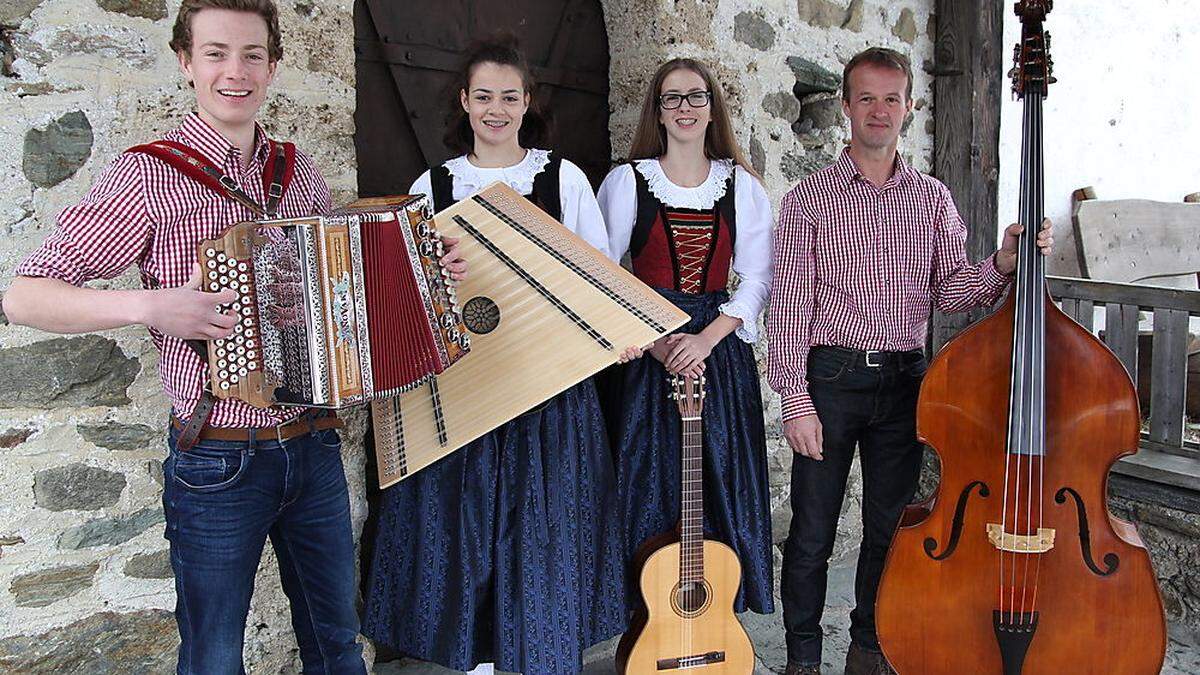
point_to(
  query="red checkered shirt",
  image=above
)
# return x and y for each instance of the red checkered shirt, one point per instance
(860, 266)
(145, 212)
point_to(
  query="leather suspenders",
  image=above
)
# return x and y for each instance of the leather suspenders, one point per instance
(277, 175)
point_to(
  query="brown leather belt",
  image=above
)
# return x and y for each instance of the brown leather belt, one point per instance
(283, 432)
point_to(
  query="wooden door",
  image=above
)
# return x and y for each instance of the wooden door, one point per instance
(408, 51)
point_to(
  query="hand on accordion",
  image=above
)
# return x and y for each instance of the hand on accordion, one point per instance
(189, 313)
(452, 260)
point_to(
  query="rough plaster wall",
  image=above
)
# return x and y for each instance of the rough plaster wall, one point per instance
(752, 49)
(81, 520)
(1120, 119)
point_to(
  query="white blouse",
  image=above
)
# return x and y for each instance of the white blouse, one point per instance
(580, 212)
(751, 249)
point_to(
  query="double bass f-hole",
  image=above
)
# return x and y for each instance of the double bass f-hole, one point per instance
(956, 526)
(1111, 560)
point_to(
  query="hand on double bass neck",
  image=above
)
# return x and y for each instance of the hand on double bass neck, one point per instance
(1006, 257)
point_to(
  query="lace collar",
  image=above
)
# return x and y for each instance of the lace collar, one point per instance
(701, 197)
(519, 176)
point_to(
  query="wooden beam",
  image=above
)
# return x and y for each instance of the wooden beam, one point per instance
(1113, 292)
(968, 85)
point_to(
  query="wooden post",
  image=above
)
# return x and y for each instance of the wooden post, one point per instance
(968, 74)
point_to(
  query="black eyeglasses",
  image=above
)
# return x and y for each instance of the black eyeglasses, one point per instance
(696, 99)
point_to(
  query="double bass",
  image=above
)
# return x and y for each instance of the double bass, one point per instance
(1015, 565)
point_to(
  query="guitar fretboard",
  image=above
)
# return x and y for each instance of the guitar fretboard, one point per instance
(691, 555)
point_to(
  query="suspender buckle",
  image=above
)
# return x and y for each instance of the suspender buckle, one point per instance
(275, 191)
(227, 183)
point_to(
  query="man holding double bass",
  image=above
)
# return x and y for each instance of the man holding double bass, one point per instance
(864, 249)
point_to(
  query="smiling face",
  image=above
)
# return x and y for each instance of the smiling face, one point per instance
(876, 106)
(229, 67)
(495, 102)
(687, 123)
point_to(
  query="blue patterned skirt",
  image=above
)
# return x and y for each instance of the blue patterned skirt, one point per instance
(507, 550)
(646, 445)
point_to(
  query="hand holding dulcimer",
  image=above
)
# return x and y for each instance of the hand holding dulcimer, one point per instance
(1015, 566)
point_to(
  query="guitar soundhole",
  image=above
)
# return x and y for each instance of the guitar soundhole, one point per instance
(691, 597)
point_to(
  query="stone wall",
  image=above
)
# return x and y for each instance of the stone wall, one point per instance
(84, 573)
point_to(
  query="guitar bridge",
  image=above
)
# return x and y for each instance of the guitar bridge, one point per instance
(691, 661)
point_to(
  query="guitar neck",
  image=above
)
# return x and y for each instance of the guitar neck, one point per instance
(691, 559)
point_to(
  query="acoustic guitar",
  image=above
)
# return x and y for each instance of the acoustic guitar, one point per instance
(688, 583)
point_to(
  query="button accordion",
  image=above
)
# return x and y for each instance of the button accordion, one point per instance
(333, 310)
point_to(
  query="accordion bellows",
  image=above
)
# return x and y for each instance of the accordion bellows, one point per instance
(334, 310)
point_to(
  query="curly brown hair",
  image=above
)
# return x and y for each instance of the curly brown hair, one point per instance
(181, 34)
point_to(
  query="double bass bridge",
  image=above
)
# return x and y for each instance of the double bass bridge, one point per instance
(1008, 542)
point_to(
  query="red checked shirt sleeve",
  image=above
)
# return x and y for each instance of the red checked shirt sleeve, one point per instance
(102, 235)
(956, 284)
(791, 309)
(308, 175)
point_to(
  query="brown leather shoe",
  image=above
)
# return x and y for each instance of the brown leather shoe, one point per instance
(860, 661)
(797, 669)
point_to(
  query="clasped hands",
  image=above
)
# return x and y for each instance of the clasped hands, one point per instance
(680, 353)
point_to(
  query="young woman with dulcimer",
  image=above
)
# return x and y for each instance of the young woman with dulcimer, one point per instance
(688, 209)
(506, 551)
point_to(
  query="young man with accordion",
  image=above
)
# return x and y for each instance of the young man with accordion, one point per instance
(243, 473)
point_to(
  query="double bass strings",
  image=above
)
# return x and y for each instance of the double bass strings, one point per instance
(1026, 438)
(1026, 396)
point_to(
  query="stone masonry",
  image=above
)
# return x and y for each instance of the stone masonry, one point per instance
(84, 574)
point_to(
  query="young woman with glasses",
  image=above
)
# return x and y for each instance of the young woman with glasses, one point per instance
(687, 209)
(506, 551)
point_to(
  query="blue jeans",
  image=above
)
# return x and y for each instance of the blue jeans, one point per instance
(222, 501)
(873, 409)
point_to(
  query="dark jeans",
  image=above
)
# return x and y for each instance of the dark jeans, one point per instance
(873, 408)
(222, 501)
